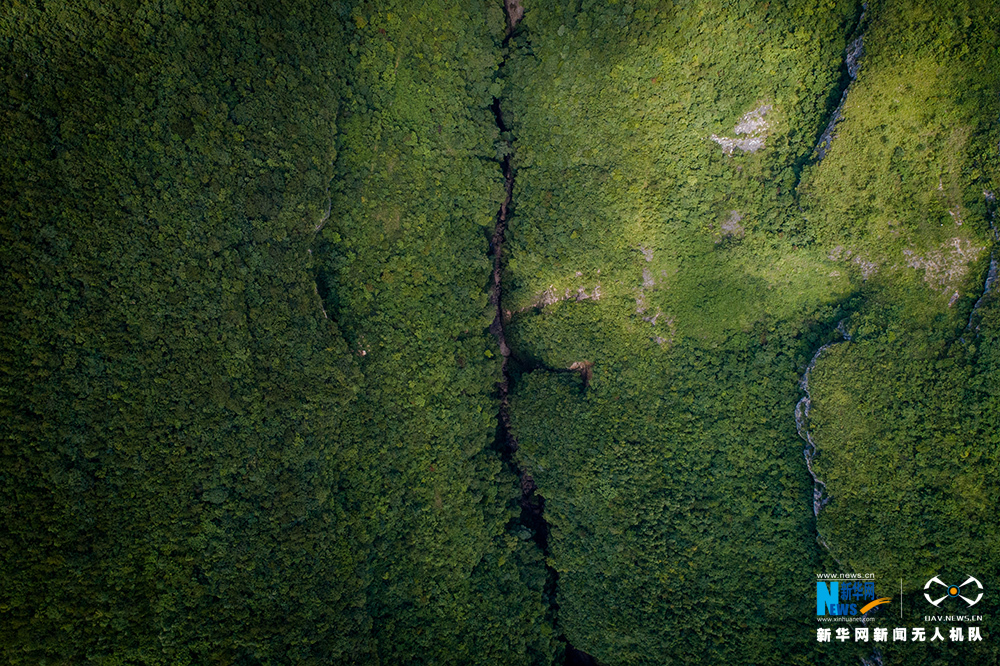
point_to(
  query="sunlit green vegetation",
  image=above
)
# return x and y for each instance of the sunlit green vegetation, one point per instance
(905, 415)
(670, 483)
(614, 108)
(905, 419)
(249, 396)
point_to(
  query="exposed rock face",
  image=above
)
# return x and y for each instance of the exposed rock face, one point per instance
(820, 495)
(855, 50)
(551, 296)
(666, 322)
(991, 275)
(852, 58)
(752, 127)
(945, 268)
(868, 268)
(586, 370)
(514, 12)
(991, 279)
(731, 226)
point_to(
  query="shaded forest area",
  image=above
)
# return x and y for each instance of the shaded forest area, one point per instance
(250, 395)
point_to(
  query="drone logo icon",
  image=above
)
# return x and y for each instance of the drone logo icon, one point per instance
(953, 591)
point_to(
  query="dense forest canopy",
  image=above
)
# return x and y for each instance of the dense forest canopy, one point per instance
(489, 332)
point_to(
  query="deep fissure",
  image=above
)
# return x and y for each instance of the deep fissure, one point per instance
(532, 505)
(821, 497)
(992, 272)
(853, 53)
(848, 75)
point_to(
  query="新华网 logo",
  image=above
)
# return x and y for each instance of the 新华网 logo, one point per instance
(843, 598)
(953, 591)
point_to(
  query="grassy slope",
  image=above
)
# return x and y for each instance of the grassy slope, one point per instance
(905, 416)
(613, 112)
(675, 483)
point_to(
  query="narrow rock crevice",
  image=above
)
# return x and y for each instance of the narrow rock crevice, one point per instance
(532, 505)
(849, 74)
(321, 297)
(820, 495)
(319, 277)
(874, 659)
(991, 274)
